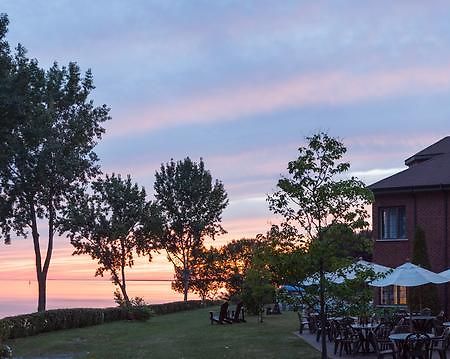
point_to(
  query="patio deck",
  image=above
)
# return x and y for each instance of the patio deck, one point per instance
(311, 340)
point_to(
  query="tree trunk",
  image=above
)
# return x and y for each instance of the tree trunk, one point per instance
(123, 288)
(186, 275)
(42, 286)
(42, 270)
(323, 318)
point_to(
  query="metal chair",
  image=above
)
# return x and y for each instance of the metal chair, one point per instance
(383, 346)
(439, 344)
(417, 345)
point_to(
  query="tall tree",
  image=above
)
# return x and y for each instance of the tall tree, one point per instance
(50, 156)
(191, 205)
(111, 224)
(316, 197)
(206, 274)
(236, 259)
(424, 295)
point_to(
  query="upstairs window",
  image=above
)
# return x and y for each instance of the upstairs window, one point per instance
(393, 223)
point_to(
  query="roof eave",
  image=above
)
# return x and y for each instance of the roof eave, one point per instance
(410, 189)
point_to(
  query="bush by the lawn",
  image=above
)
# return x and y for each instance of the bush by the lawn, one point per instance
(50, 320)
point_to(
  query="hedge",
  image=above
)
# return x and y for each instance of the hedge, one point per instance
(50, 320)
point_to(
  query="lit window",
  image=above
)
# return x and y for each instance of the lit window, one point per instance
(393, 223)
(393, 295)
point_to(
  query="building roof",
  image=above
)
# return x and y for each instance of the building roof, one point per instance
(428, 169)
(440, 147)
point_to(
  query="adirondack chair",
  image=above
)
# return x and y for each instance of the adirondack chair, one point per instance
(222, 318)
(237, 315)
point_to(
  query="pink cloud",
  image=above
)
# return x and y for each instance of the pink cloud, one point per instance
(333, 88)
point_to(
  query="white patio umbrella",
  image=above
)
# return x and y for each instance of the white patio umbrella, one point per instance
(348, 273)
(352, 270)
(409, 275)
(445, 274)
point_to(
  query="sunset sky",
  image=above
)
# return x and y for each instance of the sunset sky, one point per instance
(240, 84)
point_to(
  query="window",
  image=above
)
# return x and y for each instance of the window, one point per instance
(393, 223)
(393, 295)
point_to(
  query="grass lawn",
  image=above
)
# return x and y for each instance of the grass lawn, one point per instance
(179, 335)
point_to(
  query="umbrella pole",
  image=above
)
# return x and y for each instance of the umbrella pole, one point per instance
(410, 309)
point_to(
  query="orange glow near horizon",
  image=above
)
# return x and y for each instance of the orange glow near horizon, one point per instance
(17, 260)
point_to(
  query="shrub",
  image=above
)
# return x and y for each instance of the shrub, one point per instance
(35, 323)
(174, 307)
(142, 313)
(41, 322)
(113, 314)
(5, 352)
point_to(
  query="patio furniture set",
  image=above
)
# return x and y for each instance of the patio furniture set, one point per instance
(400, 336)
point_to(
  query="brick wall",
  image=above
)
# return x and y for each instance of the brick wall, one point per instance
(425, 209)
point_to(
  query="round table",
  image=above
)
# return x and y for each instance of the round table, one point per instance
(399, 340)
(364, 330)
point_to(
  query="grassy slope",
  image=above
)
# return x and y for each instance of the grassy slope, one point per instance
(179, 335)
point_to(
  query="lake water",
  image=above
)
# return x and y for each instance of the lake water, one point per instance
(19, 296)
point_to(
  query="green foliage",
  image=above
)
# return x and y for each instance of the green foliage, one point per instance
(111, 224)
(49, 129)
(173, 307)
(191, 205)
(424, 296)
(321, 208)
(257, 290)
(40, 322)
(5, 351)
(315, 195)
(235, 259)
(136, 308)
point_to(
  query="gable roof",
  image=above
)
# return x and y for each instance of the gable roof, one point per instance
(429, 169)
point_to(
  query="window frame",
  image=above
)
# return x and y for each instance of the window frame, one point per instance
(381, 222)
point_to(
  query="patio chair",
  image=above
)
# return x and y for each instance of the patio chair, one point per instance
(422, 325)
(237, 315)
(439, 344)
(302, 323)
(438, 325)
(383, 346)
(312, 324)
(417, 345)
(346, 340)
(320, 330)
(222, 318)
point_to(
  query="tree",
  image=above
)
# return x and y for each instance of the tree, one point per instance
(206, 274)
(257, 290)
(111, 224)
(425, 295)
(50, 156)
(236, 258)
(314, 198)
(191, 206)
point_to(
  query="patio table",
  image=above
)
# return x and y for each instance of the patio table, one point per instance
(364, 330)
(399, 340)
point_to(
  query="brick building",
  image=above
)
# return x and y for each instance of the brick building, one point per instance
(417, 196)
